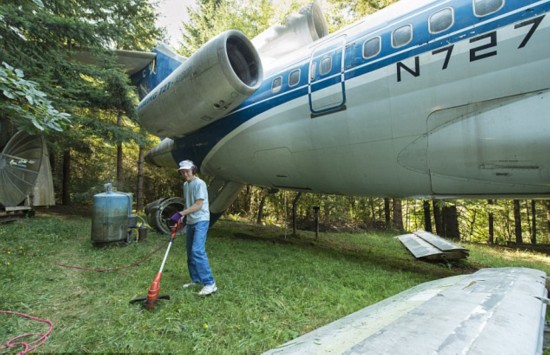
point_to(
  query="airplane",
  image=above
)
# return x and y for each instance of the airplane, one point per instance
(431, 98)
(424, 98)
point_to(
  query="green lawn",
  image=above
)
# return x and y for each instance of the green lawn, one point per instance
(272, 288)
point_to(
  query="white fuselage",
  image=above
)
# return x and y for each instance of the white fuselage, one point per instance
(462, 112)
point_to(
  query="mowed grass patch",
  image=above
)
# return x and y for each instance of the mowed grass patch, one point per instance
(272, 287)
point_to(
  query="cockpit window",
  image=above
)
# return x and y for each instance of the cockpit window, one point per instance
(371, 47)
(277, 84)
(486, 7)
(401, 36)
(441, 20)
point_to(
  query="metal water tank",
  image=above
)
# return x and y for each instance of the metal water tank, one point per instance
(110, 216)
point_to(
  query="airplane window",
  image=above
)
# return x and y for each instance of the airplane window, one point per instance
(401, 36)
(294, 77)
(326, 65)
(371, 47)
(312, 71)
(486, 7)
(277, 84)
(441, 20)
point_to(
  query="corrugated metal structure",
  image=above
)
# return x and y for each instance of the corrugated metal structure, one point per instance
(428, 246)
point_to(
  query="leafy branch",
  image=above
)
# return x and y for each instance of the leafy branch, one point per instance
(26, 105)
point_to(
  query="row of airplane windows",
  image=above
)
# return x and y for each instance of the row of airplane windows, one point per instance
(438, 22)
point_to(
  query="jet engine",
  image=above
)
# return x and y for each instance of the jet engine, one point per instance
(207, 86)
(299, 30)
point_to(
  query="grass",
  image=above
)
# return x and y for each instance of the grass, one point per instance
(272, 288)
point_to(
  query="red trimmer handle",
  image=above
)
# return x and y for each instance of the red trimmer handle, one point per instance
(174, 229)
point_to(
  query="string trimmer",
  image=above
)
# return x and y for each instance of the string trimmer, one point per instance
(150, 301)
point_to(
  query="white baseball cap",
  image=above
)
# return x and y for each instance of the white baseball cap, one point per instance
(186, 164)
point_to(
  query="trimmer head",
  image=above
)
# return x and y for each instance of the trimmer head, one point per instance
(151, 304)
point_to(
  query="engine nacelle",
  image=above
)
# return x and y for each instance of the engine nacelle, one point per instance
(300, 30)
(210, 84)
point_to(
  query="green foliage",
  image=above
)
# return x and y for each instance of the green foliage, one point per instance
(26, 104)
(48, 41)
(271, 289)
(212, 17)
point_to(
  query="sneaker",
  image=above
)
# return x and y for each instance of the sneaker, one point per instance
(191, 284)
(208, 290)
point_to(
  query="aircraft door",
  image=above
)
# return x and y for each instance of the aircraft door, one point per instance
(326, 87)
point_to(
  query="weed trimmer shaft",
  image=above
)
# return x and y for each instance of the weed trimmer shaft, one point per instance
(153, 294)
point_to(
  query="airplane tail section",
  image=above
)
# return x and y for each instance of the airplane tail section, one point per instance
(166, 61)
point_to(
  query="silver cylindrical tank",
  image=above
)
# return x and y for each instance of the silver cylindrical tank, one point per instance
(110, 214)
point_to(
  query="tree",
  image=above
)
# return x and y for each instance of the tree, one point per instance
(534, 222)
(427, 216)
(212, 17)
(491, 223)
(294, 204)
(517, 222)
(44, 40)
(397, 214)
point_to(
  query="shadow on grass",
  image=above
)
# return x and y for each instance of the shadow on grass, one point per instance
(400, 261)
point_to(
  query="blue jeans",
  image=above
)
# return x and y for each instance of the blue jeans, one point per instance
(197, 260)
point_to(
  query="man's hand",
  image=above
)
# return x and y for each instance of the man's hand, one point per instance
(175, 218)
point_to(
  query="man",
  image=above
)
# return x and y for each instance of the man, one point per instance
(198, 220)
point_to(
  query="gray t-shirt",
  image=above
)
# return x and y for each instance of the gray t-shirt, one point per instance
(196, 190)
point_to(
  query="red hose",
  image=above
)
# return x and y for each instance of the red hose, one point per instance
(30, 346)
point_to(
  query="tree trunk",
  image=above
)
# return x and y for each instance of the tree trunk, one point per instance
(450, 222)
(438, 218)
(139, 187)
(547, 204)
(247, 198)
(397, 214)
(371, 204)
(427, 216)
(66, 195)
(119, 155)
(294, 206)
(472, 225)
(517, 222)
(387, 212)
(260, 215)
(527, 215)
(491, 239)
(534, 222)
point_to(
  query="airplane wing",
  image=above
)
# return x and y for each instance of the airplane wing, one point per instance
(493, 311)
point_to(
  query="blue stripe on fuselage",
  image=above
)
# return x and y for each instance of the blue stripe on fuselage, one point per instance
(196, 146)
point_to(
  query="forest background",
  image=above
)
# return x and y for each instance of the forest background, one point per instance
(87, 114)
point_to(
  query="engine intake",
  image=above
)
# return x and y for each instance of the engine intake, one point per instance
(209, 85)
